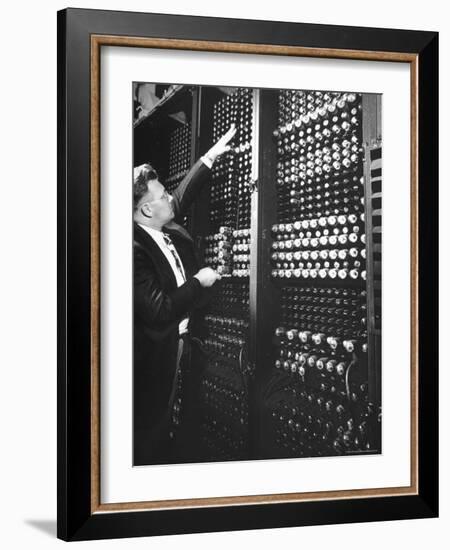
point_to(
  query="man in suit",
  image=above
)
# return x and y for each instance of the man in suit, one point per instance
(167, 287)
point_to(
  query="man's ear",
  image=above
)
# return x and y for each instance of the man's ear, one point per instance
(146, 210)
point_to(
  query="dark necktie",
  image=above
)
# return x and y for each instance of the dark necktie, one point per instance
(175, 255)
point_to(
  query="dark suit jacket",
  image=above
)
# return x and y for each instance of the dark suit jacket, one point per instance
(159, 305)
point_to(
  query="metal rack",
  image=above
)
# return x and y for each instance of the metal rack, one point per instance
(373, 216)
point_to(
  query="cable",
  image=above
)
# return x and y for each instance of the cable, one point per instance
(347, 376)
(241, 368)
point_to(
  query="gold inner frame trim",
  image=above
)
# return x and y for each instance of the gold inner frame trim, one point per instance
(97, 41)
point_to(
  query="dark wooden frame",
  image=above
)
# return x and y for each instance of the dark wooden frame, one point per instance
(81, 33)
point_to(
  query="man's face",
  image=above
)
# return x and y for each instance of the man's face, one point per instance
(159, 203)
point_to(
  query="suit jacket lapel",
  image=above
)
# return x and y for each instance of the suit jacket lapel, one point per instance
(160, 261)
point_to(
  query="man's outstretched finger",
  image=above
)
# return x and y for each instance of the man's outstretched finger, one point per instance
(231, 132)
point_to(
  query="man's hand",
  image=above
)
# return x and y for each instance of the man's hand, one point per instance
(222, 144)
(207, 276)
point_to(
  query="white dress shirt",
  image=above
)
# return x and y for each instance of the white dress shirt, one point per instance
(207, 161)
(180, 277)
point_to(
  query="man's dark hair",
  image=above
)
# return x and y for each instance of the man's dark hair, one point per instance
(142, 175)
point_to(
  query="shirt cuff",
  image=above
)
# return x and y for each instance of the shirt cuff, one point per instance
(206, 161)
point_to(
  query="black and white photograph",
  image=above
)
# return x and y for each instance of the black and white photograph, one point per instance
(257, 290)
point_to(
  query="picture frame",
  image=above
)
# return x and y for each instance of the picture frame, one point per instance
(81, 35)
